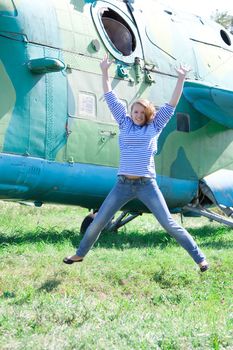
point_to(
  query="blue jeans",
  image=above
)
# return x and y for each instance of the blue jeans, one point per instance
(148, 192)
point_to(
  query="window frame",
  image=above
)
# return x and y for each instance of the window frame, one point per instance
(96, 11)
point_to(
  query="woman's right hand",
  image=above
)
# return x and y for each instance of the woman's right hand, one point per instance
(105, 63)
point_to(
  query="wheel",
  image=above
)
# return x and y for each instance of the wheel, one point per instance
(86, 222)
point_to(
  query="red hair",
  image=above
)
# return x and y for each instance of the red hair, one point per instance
(149, 109)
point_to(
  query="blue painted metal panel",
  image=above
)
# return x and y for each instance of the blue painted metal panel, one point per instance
(35, 179)
(221, 185)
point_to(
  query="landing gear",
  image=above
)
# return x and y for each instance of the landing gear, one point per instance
(123, 218)
(113, 225)
(214, 190)
(210, 214)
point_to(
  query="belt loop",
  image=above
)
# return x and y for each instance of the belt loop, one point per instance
(122, 178)
(143, 180)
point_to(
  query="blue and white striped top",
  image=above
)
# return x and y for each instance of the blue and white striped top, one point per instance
(138, 144)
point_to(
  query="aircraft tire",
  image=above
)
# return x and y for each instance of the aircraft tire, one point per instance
(86, 222)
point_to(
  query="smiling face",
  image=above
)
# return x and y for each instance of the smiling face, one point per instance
(142, 112)
(138, 114)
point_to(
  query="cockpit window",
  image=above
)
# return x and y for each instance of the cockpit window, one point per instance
(118, 31)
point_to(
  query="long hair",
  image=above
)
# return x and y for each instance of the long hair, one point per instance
(149, 109)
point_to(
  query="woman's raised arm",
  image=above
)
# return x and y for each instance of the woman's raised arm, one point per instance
(104, 65)
(182, 72)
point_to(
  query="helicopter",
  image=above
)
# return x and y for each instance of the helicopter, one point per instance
(58, 140)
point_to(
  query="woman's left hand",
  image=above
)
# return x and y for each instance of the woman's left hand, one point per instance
(183, 70)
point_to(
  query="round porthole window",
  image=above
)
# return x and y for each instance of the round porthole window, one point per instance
(117, 31)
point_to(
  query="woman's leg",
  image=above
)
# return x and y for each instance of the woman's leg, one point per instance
(117, 198)
(152, 197)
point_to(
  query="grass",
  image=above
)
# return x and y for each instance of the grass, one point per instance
(137, 289)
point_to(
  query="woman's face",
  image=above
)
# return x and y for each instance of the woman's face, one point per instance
(138, 114)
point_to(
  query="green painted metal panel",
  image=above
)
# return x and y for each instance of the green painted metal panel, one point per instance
(7, 102)
(193, 155)
(93, 143)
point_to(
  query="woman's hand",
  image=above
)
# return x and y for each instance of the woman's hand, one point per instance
(105, 63)
(182, 71)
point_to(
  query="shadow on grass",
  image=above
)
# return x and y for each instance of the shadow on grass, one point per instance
(53, 235)
(49, 285)
(121, 239)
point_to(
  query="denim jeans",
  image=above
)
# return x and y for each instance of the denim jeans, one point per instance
(148, 192)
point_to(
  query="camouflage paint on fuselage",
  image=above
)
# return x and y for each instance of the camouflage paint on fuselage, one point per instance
(40, 113)
(61, 118)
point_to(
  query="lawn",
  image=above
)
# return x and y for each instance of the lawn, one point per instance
(136, 289)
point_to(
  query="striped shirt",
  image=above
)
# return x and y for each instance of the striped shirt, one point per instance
(138, 144)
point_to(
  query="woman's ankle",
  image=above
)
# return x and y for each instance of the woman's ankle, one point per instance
(203, 263)
(203, 266)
